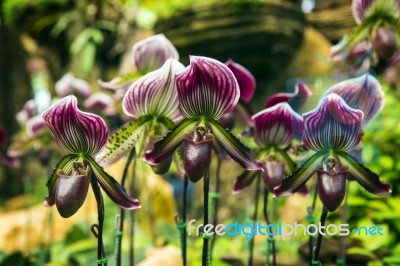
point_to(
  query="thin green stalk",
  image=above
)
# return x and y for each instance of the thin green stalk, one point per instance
(317, 249)
(120, 230)
(311, 220)
(257, 196)
(206, 258)
(341, 261)
(181, 224)
(215, 198)
(271, 241)
(132, 220)
(101, 257)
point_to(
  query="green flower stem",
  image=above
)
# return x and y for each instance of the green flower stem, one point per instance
(311, 220)
(101, 257)
(342, 254)
(215, 197)
(206, 257)
(120, 230)
(317, 249)
(132, 220)
(270, 241)
(255, 214)
(181, 225)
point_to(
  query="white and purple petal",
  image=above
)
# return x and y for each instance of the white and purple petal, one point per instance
(359, 9)
(332, 125)
(246, 80)
(35, 126)
(277, 126)
(75, 131)
(151, 53)
(364, 93)
(295, 98)
(100, 102)
(155, 93)
(68, 84)
(207, 88)
(356, 58)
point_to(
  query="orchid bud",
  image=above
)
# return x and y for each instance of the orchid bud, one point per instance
(384, 42)
(228, 120)
(197, 153)
(273, 174)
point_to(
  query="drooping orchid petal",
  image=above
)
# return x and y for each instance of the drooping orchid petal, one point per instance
(28, 111)
(68, 84)
(154, 93)
(166, 146)
(243, 181)
(75, 131)
(240, 153)
(246, 80)
(364, 93)
(295, 98)
(332, 125)
(151, 53)
(71, 191)
(206, 88)
(35, 125)
(112, 188)
(296, 180)
(277, 125)
(100, 102)
(359, 8)
(365, 177)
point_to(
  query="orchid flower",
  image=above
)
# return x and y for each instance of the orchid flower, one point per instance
(148, 55)
(5, 159)
(80, 135)
(69, 83)
(152, 101)
(207, 90)
(356, 58)
(246, 80)
(377, 21)
(364, 93)
(100, 102)
(332, 130)
(295, 99)
(275, 128)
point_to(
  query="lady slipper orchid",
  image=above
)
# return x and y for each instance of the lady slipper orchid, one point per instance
(81, 135)
(69, 83)
(364, 93)
(355, 59)
(207, 90)
(275, 127)
(148, 55)
(296, 98)
(152, 101)
(100, 102)
(332, 129)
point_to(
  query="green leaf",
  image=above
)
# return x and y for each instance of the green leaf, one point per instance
(88, 57)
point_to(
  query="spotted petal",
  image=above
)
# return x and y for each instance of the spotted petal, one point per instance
(122, 141)
(277, 125)
(246, 80)
(365, 177)
(112, 188)
(154, 93)
(75, 131)
(332, 125)
(364, 93)
(151, 53)
(164, 148)
(236, 149)
(206, 88)
(296, 180)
